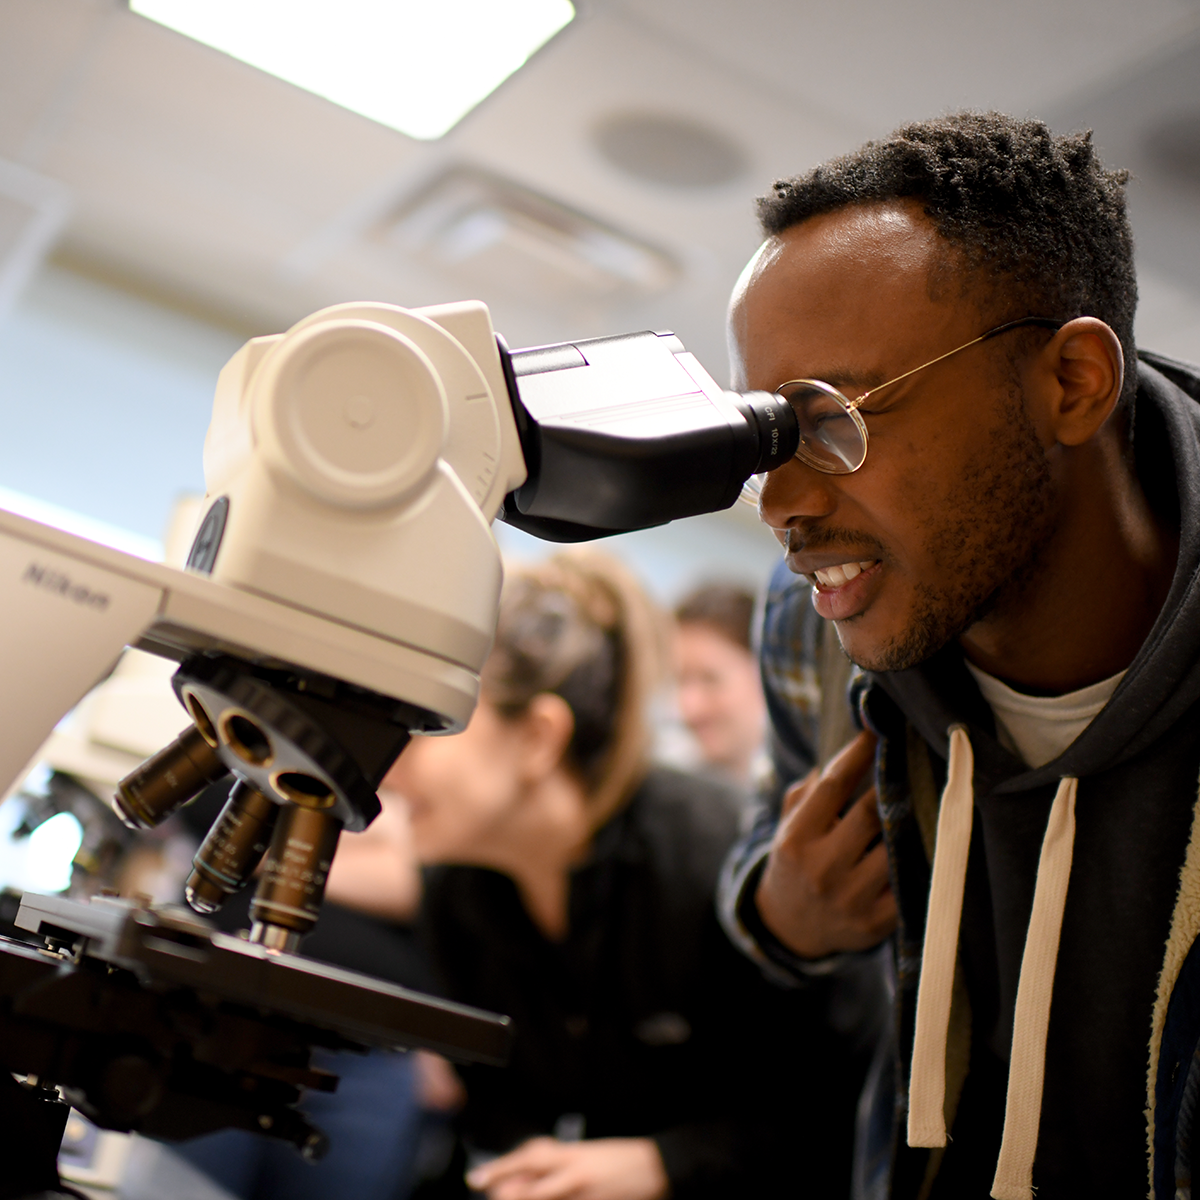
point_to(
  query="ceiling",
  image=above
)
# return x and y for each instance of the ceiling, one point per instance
(204, 182)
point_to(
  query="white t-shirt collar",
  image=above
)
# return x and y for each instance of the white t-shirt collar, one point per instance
(1037, 729)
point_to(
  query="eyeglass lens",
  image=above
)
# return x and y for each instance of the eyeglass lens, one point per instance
(830, 438)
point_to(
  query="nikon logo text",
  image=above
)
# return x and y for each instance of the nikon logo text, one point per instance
(50, 580)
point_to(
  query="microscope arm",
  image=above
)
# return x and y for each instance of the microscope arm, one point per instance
(71, 606)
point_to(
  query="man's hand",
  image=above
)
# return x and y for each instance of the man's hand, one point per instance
(546, 1169)
(822, 890)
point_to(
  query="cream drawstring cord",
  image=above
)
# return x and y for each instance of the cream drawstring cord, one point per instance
(1027, 1061)
(1027, 1065)
(927, 1083)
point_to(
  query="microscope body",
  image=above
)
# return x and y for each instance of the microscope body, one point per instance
(353, 468)
(342, 587)
(340, 595)
(354, 465)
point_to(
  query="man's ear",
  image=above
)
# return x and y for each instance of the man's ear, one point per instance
(1087, 366)
(547, 726)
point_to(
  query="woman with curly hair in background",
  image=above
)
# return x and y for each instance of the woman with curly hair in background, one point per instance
(574, 892)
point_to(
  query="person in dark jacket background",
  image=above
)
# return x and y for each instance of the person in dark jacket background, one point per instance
(577, 895)
(1013, 562)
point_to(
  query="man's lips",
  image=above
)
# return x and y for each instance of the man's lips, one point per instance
(841, 589)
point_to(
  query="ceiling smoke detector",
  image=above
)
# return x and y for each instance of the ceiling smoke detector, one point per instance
(508, 238)
(666, 149)
(1173, 148)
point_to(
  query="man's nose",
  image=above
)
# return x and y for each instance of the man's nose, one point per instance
(796, 492)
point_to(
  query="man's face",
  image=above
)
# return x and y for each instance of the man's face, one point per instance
(719, 694)
(943, 524)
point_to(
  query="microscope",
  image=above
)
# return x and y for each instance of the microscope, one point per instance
(339, 598)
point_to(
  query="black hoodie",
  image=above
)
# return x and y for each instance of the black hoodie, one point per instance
(1137, 765)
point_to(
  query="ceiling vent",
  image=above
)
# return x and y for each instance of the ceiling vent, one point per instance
(33, 210)
(664, 149)
(504, 238)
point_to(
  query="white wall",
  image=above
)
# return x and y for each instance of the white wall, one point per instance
(105, 400)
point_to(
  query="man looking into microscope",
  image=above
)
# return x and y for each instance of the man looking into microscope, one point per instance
(996, 504)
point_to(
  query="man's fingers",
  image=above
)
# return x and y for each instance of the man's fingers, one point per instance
(879, 918)
(825, 797)
(797, 792)
(867, 880)
(849, 839)
(850, 763)
(885, 914)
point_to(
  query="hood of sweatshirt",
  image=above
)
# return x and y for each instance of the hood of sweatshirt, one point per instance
(1163, 681)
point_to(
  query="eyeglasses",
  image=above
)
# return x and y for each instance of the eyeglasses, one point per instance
(833, 435)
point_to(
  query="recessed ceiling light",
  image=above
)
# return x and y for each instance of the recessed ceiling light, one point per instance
(418, 66)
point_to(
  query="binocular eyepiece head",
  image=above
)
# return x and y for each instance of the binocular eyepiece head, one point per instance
(629, 432)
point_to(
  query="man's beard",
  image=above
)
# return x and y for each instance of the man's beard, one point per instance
(998, 520)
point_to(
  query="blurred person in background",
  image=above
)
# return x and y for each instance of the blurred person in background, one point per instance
(575, 893)
(718, 688)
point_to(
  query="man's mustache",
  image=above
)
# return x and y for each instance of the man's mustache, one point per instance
(815, 538)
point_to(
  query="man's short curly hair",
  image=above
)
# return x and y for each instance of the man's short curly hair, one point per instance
(1037, 215)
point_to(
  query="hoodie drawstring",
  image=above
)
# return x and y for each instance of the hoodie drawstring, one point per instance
(1027, 1059)
(927, 1084)
(1035, 988)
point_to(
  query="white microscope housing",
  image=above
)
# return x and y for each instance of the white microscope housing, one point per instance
(353, 466)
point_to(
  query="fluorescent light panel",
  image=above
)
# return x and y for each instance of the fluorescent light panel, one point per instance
(418, 66)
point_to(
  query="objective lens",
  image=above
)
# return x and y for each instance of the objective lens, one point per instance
(306, 790)
(235, 844)
(148, 795)
(289, 894)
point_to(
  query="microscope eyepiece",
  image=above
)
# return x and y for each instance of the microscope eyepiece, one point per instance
(167, 781)
(774, 423)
